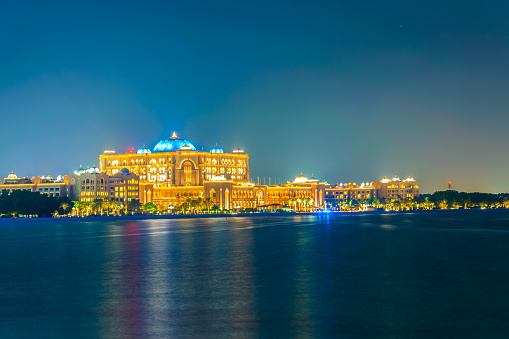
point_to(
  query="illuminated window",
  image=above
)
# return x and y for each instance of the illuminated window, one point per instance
(187, 174)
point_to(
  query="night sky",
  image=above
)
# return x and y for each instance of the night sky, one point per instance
(349, 91)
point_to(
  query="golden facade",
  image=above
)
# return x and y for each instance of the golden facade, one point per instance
(43, 185)
(91, 184)
(345, 192)
(175, 162)
(174, 172)
(397, 188)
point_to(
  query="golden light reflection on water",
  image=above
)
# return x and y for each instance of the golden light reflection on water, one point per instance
(243, 282)
(111, 291)
(159, 285)
(303, 317)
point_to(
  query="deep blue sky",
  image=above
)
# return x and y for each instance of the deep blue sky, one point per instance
(348, 91)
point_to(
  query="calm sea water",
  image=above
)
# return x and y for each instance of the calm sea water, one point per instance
(437, 274)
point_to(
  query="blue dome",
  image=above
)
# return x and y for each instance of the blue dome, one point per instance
(143, 151)
(173, 144)
(80, 171)
(124, 171)
(217, 150)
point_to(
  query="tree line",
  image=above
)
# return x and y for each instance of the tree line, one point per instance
(105, 207)
(27, 203)
(455, 199)
(189, 206)
(439, 200)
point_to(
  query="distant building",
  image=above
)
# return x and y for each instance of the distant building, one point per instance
(42, 184)
(345, 192)
(13, 179)
(90, 184)
(395, 187)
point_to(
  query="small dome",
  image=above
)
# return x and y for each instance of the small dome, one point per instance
(300, 179)
(173, 144)
(312, 179)
(143, 151)
(124, 171)
(93, 169)
(217, 150)
(238, 150)
(109, 151)
(12, 176)
(79, 171)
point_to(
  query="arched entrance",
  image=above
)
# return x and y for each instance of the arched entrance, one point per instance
(212, 195)
(259, 198)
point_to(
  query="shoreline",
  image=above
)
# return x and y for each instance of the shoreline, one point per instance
(237, 215)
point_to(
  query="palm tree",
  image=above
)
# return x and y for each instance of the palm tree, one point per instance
(133, 204)
(119, 207)
(353, 204)
(113, 204)
(443, 204)
(195, 205)
(208, 203)
(297, 203)
(292, 202)
(376, 203)
(310, 202)
(428, 205)
(65, 207)
(505, 202)
(389, 204)
(149, 206)
(179, 208)
(77, 207)
(98, 205)
(186, 205)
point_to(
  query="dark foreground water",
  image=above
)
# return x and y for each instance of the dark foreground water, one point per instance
(438, 274)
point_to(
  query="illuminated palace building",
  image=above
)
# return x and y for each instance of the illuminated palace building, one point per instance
(174, 171)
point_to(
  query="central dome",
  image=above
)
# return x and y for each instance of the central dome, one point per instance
(173, 144)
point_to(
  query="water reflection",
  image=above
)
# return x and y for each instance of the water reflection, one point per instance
(159, 289)
(112, 293)
(242, 309)
(303, 276)
(303, 286)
